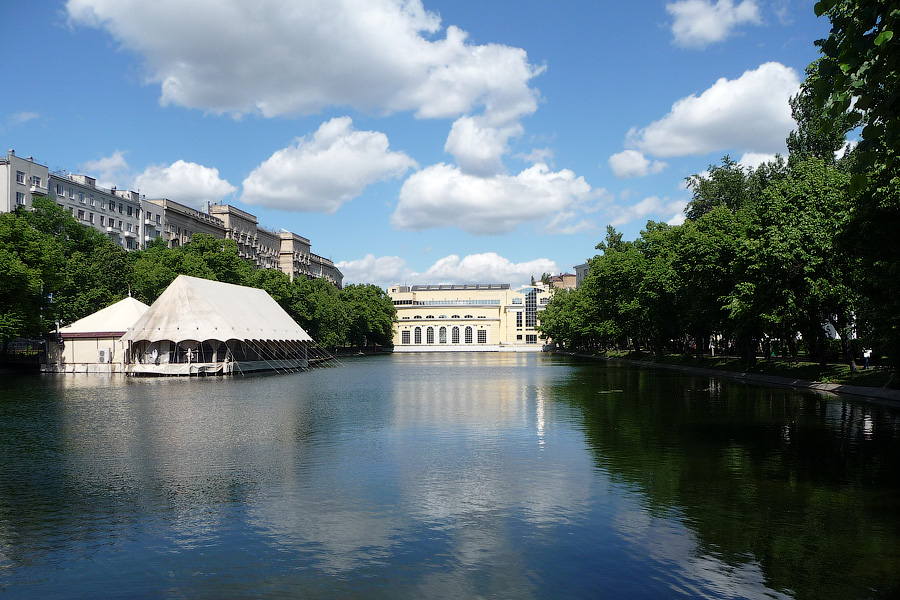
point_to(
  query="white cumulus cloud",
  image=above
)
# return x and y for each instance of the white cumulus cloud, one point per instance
(289, 58)
(443, 196)
(752, 160)
(381, 271)
(110, 171)
(750, 114)
(321, 172)
(663, 209)
(488, 267)
(631, 163)
(699, 23)
(185, 182)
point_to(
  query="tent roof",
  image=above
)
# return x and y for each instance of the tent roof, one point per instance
(200, 309)
(111, 321)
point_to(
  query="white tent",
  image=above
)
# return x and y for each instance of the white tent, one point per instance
(91, 344)
(198, 326)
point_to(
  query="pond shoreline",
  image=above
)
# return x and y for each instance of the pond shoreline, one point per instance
(874, 395)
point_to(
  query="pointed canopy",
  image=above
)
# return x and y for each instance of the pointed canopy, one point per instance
(112, 321)
(200, 309)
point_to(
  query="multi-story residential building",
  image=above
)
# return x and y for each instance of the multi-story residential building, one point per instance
(133, 221)
(297, 260)
(20, 180)
(177, 222)
(481, 317)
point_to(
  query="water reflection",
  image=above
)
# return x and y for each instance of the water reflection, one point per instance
(444, 475)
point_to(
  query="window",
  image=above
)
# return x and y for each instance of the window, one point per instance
(404, 337)
(454, 335)
(101, 220)
(20, 198)
(531, 308)
(406, 318)
(442, 335)
(91, 200)
(157, 219)
(121, 207)
(35, 181)
(482, 336)
(531, 338)
(130, 211)
(81, 197)
(517, 301)
(545, 299)
(71, 194)
(468, 335)
(518, 319)
(60, 190)
(468, 317)
(418, 335)
(429, 316)
(20, 177)
(482, 317)
(429, 335)
(81, 215)
(417, 317)
(91, 218)
(454, 316)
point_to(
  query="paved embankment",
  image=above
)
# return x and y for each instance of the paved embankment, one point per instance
(880, 395)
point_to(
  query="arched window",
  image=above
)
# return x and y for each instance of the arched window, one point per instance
(454, 335)
(454, 316)
(442, 335)
(468, 335)
(429, 335)
(418, 335)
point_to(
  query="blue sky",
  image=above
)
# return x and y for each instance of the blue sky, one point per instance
(411, 141)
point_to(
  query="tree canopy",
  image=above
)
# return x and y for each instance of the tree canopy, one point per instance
(53, 270)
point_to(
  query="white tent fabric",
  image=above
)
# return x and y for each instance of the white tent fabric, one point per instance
(112, 321)
(200, 309)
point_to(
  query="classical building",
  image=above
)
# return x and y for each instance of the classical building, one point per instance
(479, 317)
(132, 221)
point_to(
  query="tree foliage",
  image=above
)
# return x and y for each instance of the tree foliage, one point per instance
(53, 270)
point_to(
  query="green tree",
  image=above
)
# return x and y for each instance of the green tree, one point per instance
(370, 315)
(318, 309)
(858, 79)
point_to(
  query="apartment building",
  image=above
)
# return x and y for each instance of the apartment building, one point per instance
(132, 221)
(477, 317)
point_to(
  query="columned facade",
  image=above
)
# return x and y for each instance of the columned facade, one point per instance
(477, 317)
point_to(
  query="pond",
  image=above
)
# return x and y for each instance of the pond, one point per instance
(445, 476)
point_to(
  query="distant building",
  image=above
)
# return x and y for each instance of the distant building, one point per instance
(565, 281)
(581, 271)
(482, 317)
(133, 221)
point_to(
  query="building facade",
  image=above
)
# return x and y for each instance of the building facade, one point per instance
(478, 317)
(132, 221)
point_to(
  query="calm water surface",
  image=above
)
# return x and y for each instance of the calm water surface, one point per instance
(445, 476)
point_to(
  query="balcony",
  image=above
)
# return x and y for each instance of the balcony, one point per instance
(130, 234)
(39, 190)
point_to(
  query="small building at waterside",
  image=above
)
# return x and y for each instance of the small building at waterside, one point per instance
(92, 344)
(203, 327)
(468, 318)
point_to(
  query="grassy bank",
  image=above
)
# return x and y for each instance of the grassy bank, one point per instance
(794, 369)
